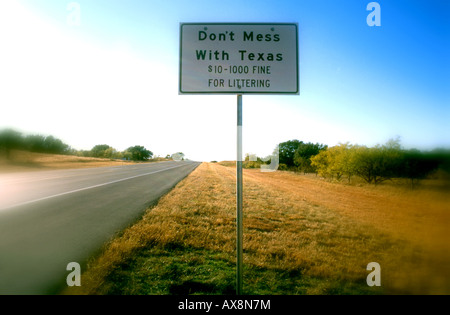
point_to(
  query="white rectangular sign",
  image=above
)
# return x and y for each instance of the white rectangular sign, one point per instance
(232, 58)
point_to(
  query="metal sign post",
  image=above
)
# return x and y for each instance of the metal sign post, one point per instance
(239, 212)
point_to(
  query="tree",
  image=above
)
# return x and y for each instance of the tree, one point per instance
(111, 153)
(345, 159)
(373, 165)
(442, 159)
(304, 153)
(287, 152)
(10, 140)
(53, 145)
(35, 143)
(102, 151)
(379, 163)
(335, 162)
(417, 165)
(139, 153)
(127, 155)
(321, 163)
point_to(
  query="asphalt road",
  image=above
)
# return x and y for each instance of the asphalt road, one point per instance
(49, 219)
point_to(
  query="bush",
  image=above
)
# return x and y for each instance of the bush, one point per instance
(282, 167)
(252, 164)
(138, 153)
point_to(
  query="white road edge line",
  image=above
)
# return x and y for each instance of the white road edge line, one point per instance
(86, 188)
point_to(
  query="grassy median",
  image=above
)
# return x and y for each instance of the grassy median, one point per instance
(302, 235)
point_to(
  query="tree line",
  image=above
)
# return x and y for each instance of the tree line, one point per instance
(372, 164)
(134, 153)
(13, 140)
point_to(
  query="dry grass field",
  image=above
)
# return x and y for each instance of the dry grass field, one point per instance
(302, 235)
(30, 161)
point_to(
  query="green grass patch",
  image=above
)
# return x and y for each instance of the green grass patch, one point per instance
(182, 271)
(157, 271)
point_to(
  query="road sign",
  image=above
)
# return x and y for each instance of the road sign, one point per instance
(232, 58)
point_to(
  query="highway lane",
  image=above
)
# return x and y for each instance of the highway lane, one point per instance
(49, 219)
(21, 188)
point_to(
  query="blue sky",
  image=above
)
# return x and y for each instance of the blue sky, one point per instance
(114, 78)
